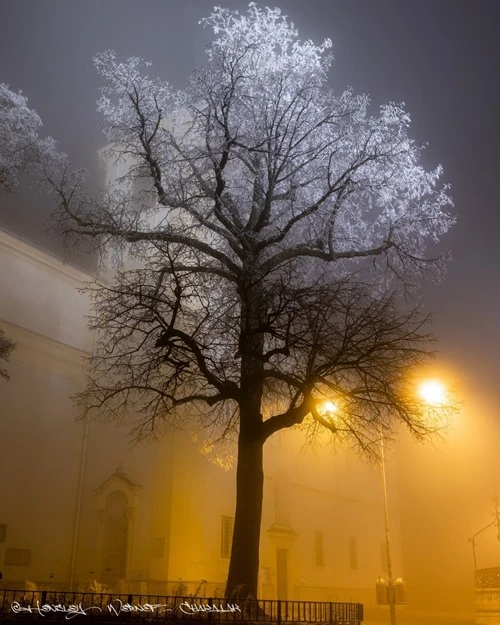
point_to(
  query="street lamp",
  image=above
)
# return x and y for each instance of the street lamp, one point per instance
(434, 394)
(390, 582)
(330, 412)
(495, 522)
(431, 393)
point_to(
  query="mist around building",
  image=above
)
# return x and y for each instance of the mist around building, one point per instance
(84, 508)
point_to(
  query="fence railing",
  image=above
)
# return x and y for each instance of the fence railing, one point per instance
(32, 604)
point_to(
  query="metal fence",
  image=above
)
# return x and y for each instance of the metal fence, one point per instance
(100, 607)
(487, 578)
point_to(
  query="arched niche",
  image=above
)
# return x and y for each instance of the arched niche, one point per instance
(117, 499)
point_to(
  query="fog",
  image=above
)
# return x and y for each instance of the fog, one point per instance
(441, 59)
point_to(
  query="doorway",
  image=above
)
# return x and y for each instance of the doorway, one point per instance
(282, 573)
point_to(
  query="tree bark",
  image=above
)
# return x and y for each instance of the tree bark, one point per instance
(244, 564)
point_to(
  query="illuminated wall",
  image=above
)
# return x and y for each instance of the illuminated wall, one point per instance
(84, 508)
(40, 442)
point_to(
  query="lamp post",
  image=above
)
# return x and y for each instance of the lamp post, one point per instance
(390, 581)
(432, 393)
(330, 409)
(495, 522)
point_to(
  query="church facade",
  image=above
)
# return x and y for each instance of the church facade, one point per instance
(84, 507)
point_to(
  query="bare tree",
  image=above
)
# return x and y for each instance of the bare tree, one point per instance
(6, 347)
(273, 226)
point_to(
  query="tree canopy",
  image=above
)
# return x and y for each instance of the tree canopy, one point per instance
(271, 226)
(21, 147)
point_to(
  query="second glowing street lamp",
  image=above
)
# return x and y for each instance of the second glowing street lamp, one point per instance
(431, 393)
(390, 580)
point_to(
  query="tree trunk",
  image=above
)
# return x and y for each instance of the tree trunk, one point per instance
(244, 564)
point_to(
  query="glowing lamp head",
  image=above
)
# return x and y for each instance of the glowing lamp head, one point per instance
(329, 408)
(433, 393)
(330, 412)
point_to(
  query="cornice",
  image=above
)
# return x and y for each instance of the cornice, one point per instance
(45, 353)
(29, 253)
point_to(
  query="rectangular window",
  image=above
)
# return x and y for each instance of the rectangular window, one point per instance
(383, 556)
(282, 502)
(17, 557)
(353, 553)
(158, 550)
(319, 553)
(227, 527)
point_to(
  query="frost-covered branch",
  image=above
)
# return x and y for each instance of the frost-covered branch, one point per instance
(21, 147)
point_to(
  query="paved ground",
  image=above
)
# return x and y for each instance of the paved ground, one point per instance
(419, 618)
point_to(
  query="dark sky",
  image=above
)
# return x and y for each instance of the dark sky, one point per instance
(441, 57)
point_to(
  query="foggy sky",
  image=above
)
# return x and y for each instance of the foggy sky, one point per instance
(440, 57)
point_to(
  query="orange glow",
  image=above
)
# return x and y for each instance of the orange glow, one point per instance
(329, 408)
(433, 392)
(330, 412)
